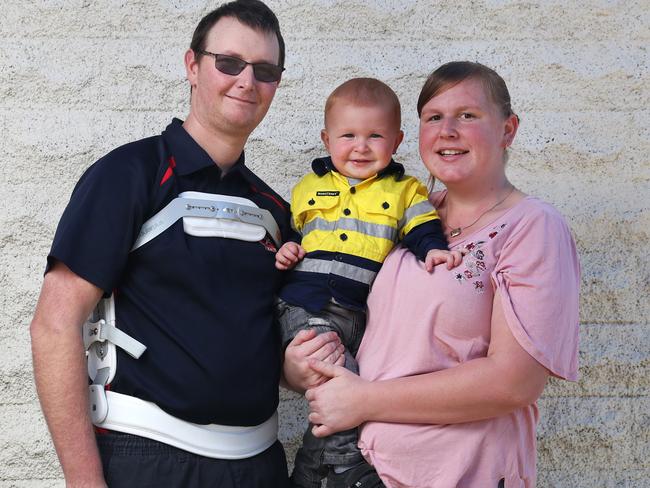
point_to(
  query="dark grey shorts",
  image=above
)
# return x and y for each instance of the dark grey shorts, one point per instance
(348, 324)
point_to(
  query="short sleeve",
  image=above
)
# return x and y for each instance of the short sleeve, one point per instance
(102, 220)
(537, 276)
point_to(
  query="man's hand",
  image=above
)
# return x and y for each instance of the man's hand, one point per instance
(289, 255)
(439, 256)
(326, 347)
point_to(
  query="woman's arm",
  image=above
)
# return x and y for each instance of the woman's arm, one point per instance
(508, 378)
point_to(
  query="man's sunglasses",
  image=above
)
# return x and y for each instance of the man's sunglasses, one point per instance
(231, 65)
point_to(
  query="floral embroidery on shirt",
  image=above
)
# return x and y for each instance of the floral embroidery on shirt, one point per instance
(474, 261)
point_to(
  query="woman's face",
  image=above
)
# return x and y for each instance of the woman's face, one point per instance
(463, 136)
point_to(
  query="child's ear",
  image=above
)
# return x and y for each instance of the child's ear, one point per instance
(398, 140)
(324, 136)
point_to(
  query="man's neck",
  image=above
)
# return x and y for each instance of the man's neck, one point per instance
(224, 149)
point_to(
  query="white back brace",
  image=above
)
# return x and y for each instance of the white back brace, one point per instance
(204, 215)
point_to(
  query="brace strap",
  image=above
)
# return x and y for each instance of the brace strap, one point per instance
(100, 331)
(123, 413)
(220, 209)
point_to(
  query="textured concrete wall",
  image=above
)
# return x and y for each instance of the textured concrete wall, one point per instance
(78, 78)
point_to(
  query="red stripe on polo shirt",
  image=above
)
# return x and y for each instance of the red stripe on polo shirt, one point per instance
(268, 195)
(169, 171)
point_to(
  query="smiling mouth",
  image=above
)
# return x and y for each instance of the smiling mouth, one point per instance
(242, 100)
(451, 152)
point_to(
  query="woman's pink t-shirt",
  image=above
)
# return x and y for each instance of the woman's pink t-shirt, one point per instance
(420, 322)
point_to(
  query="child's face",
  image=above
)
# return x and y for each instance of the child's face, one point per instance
(360, 140)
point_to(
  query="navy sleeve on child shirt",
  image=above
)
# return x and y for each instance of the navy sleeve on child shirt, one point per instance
(424, 238)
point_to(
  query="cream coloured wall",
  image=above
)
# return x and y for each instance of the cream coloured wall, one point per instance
(78, 78)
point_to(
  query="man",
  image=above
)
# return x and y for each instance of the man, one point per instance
(202, 305)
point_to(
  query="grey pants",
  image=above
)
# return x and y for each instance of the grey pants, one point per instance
(317, 455)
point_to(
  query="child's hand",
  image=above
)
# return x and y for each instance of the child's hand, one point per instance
(289, 255)
(439, 256)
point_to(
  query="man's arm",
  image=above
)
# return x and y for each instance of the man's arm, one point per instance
(65, 302)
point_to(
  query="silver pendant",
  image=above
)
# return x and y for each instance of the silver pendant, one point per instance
(455, 232)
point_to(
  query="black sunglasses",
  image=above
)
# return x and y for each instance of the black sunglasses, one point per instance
(232, 65)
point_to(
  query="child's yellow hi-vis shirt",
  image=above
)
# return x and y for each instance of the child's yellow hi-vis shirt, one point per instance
(348, 227)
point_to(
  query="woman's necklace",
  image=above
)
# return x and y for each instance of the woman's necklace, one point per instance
(456, 231)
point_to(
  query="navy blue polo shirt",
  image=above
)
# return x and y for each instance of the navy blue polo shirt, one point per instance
(203, 306)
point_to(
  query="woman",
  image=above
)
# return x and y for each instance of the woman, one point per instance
(452, 363)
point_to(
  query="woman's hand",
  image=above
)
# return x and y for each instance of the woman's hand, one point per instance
(325, 347)
(337, 404)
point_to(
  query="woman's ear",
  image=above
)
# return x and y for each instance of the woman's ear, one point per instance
(510, 130)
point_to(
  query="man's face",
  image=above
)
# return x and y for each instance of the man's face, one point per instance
(232, 104)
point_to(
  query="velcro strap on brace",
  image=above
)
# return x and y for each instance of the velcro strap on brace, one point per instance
(100, 331)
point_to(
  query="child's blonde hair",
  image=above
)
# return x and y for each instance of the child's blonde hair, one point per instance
(366, 92)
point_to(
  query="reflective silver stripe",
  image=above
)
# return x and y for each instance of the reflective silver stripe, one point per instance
(191, 207)
(415, 211)
(356, 225)
(337, 268)
(317, 224)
